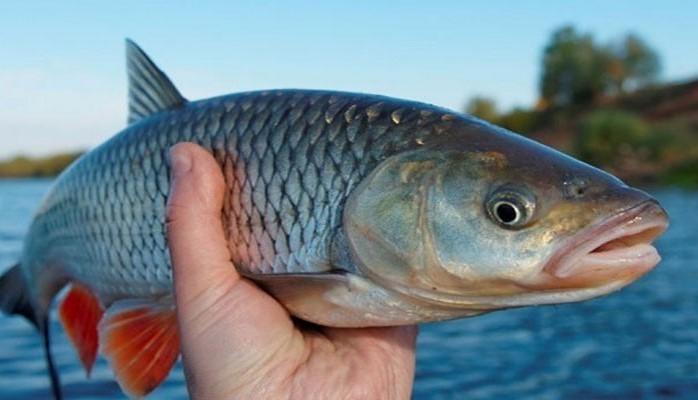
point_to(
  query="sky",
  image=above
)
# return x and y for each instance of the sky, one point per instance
(63, 79)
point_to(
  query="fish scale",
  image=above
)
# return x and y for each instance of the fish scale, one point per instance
(351, 210)
(306, 209)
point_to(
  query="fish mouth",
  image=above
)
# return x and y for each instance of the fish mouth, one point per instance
(617, 250)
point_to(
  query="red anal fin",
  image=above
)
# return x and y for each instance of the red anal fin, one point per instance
(139, 338)
(79, 313)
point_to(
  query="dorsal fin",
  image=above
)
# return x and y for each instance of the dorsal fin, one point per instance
(149, 89)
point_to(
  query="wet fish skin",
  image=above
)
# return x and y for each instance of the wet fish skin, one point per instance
(353, 210)
(290, 159)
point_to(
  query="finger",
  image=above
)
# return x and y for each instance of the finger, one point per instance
(202, 269)
(194, 229)
(227, 324)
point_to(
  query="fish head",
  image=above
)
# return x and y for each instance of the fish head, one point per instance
(484, 219)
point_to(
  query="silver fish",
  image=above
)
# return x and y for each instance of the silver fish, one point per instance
(353, 210)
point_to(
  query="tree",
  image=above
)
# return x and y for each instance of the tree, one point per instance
(573, 68)
(576, 70)
(483, 108)
(636, 64)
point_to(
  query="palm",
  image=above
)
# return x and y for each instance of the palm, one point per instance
(364, 362)
(238, 342)
(271, 355)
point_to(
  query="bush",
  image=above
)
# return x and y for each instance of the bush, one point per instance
(606, 136)
(684, 174)
(518, 120)
(669, 143)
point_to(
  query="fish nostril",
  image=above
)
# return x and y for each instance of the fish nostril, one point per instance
(575, 188)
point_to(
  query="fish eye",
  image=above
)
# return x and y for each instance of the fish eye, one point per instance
(507, 213)
(510, 208)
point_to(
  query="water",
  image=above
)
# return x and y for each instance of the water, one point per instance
(641, 343)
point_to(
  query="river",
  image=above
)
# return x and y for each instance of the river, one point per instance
(640, 343)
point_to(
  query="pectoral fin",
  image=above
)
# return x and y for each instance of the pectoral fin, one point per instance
(340, 300)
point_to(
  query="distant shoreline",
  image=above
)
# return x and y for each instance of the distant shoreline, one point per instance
(37, 167)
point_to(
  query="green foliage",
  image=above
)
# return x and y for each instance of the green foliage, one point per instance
(685, 174)
(619, 140)
(635, 64)
(24, 167)
(669, 143)
(576, 70)
(519, 120)
(674, 146)
(573, 68)
(605, 136)
(483, 108)
(650, 137)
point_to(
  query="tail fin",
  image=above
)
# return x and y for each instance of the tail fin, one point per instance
(14, 296)
(15, 299)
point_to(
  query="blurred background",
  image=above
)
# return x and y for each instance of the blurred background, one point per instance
(612, 83)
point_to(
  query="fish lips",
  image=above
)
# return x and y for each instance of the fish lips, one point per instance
(618, 249)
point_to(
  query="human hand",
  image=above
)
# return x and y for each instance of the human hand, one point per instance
(236, 340)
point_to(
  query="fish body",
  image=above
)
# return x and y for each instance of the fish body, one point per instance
(352, 210)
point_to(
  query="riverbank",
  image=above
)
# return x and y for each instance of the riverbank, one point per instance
(37, 167)
(647, 138)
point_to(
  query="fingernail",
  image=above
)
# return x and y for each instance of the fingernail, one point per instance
(180, 161)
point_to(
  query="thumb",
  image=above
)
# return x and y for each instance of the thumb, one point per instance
(199, 252)
(227, 324)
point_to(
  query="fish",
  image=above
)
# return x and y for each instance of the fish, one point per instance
(352, 210)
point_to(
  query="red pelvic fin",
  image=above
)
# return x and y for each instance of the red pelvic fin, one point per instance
(79, 313)
(139, 338)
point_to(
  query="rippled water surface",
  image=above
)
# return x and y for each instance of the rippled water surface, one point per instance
(641, 343)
